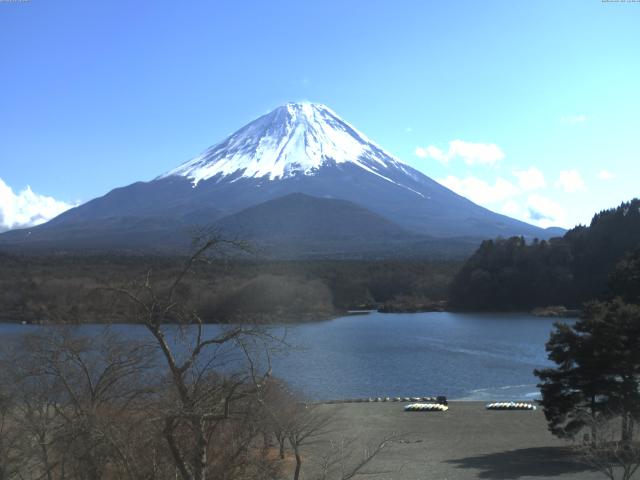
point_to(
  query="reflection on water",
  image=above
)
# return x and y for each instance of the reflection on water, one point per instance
(465, 356)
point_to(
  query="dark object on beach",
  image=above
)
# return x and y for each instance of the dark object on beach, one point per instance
(442, 400)
(510, 406)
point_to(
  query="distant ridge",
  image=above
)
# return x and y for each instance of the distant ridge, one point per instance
(300, 216)
(302, 226)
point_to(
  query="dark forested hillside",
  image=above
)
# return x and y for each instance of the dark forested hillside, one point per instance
(506, 274)
(71, 288)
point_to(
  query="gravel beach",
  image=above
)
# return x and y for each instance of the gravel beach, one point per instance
(466, 442)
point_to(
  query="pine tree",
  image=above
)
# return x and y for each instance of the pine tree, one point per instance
(597, 373)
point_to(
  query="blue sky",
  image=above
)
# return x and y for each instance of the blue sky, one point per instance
(529, 108)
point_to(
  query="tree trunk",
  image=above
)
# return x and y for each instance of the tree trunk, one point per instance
(296, 474)
(45, 459)
(201, 451)
(626, 441)
(594, 427)
(178, 458)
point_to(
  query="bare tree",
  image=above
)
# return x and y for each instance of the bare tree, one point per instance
(9, 463)
(77, 402)
(275, 405)
(610, 448)
(203, 388)
(191, 402)
(341, 462)
(309, 429)
(289, 418)
(306, 425)
(35, 417)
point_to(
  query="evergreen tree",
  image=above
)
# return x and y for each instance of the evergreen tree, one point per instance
(625, 278)
(511, 274)
(597, 373)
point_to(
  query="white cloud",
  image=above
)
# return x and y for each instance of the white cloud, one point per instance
(544, 212)
(26, 208)
(511, 208)
(530, 179)
(432, 152)
(479, 191)
(505, 197)
(570, 181)
(574, 119)
(606, 175)
(471, 153)
(476, 153)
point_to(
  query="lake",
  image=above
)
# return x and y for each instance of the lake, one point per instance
(463, 356)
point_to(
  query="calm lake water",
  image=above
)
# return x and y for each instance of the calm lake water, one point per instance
(463, 356)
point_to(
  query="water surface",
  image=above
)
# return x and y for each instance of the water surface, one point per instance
(463, 356)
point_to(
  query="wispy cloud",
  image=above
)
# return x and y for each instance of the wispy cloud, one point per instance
(606, 175)
(480, 191)
(535, 209)
(511, 208)
(432, 152)
(570, 181)
(471, 153)
(514, 200)
(530, 179)
(574, 119)
(544, 212)
(27, 208)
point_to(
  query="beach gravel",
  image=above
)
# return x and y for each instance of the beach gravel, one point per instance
(466, 442)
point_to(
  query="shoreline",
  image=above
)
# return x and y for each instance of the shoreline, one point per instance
(407, 400)
(324, 317)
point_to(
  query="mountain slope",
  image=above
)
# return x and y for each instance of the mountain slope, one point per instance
(299, 225)
(300, 216)
(297, 148)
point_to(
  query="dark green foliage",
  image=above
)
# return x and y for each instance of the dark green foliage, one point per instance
(625, 279)
(510, 274)
(597, 378)
(69, 288)
(598, 369)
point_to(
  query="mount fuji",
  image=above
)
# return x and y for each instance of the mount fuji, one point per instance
(300, 161)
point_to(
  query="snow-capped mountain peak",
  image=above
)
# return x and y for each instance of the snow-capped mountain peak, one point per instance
(294, 139)
(277, 180)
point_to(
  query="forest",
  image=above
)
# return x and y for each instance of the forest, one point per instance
(503, 274)
(79, 288)
(512, 274)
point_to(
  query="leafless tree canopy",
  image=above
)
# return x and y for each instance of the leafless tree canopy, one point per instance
(612, 446)
(190, 401)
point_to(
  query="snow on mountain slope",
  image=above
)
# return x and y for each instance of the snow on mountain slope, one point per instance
(294, 139)
(298, 148)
